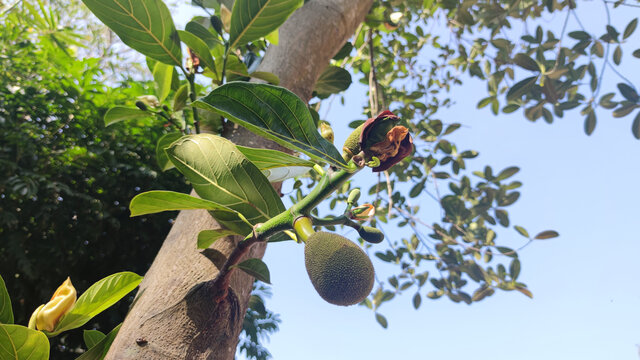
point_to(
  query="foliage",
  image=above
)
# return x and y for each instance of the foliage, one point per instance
(65, 180)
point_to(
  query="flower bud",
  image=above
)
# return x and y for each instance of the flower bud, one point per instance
(150, 100)
(216, 23)
(326, 131)
(354, 195)
(47, 316)
(362, 212)
(141, 105)
(371, 234)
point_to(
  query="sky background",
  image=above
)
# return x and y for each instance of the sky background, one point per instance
(585, 283)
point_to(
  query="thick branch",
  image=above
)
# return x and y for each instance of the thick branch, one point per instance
(174, 313)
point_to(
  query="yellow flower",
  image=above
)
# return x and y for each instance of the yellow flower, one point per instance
(47, 316)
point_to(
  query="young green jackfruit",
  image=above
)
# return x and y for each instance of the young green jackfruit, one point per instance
(339, 270)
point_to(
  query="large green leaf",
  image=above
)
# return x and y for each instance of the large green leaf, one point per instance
(204, 34)
(96, 299)
(276, 165)
(273, 112)
(18, 342)
(6, 313)
(100, 349)
(121, 113)
(256, 268)
(163, 78)
(199, 47)
(253, 19)
(269, 159)
(144, 25)
(152, 202)
(333, 80)
(92, 337)
(208, 237)
(161, 155)
(221, 173)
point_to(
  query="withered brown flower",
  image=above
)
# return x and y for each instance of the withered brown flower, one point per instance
(382, 138)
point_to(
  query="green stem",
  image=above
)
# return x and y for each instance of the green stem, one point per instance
(192, 95)
(224, 62)
(329, 183)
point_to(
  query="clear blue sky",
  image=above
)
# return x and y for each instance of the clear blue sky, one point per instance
(586, 283)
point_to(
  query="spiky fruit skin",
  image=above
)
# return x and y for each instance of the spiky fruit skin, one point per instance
(339, 270)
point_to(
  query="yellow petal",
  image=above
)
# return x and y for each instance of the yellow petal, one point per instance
(62, 301)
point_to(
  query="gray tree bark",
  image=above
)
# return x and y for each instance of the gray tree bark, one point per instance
(174, 316)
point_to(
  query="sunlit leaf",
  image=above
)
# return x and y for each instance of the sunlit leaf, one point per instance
(208, 237)
(6, 312)
(253, 19)
(144, 25)
(256, 268)
(121, 113)
(18, 342)
(219, 172)
(99, 297)
(272, 112)
(152, 202)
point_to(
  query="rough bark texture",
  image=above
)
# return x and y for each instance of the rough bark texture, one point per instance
(173, 316)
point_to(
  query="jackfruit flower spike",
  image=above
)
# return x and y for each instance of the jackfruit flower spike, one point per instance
(47, 316)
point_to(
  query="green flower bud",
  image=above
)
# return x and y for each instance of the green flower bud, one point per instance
(354, 195)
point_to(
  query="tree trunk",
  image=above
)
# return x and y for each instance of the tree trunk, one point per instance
(174, 316)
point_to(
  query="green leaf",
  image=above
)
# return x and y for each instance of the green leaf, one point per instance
(266, 76)
(590, 123)
(161, 155)
(631, 27)
(99, 350)
(628, 92)
(219, 172)
(526, 62)
(208, 237)
(522, 231)
(162, 76)
(152, 202)
(283, 173)
(121, 113)
(256, 268)
(144, 25)
(203, 33)
(92, 337)
(507, 173)
(521, 88)
(253, 19)
(617, 55)
(18, 342)
(266, 159)
(6, 313)
(514, 269)
(382, 320)
(333, 80)
(180, 97)
(272, 112)
(99, 297)
(199, 47)
(635, 127)
(548, 234)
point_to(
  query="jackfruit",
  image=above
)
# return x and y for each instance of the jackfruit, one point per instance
(339, 270)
